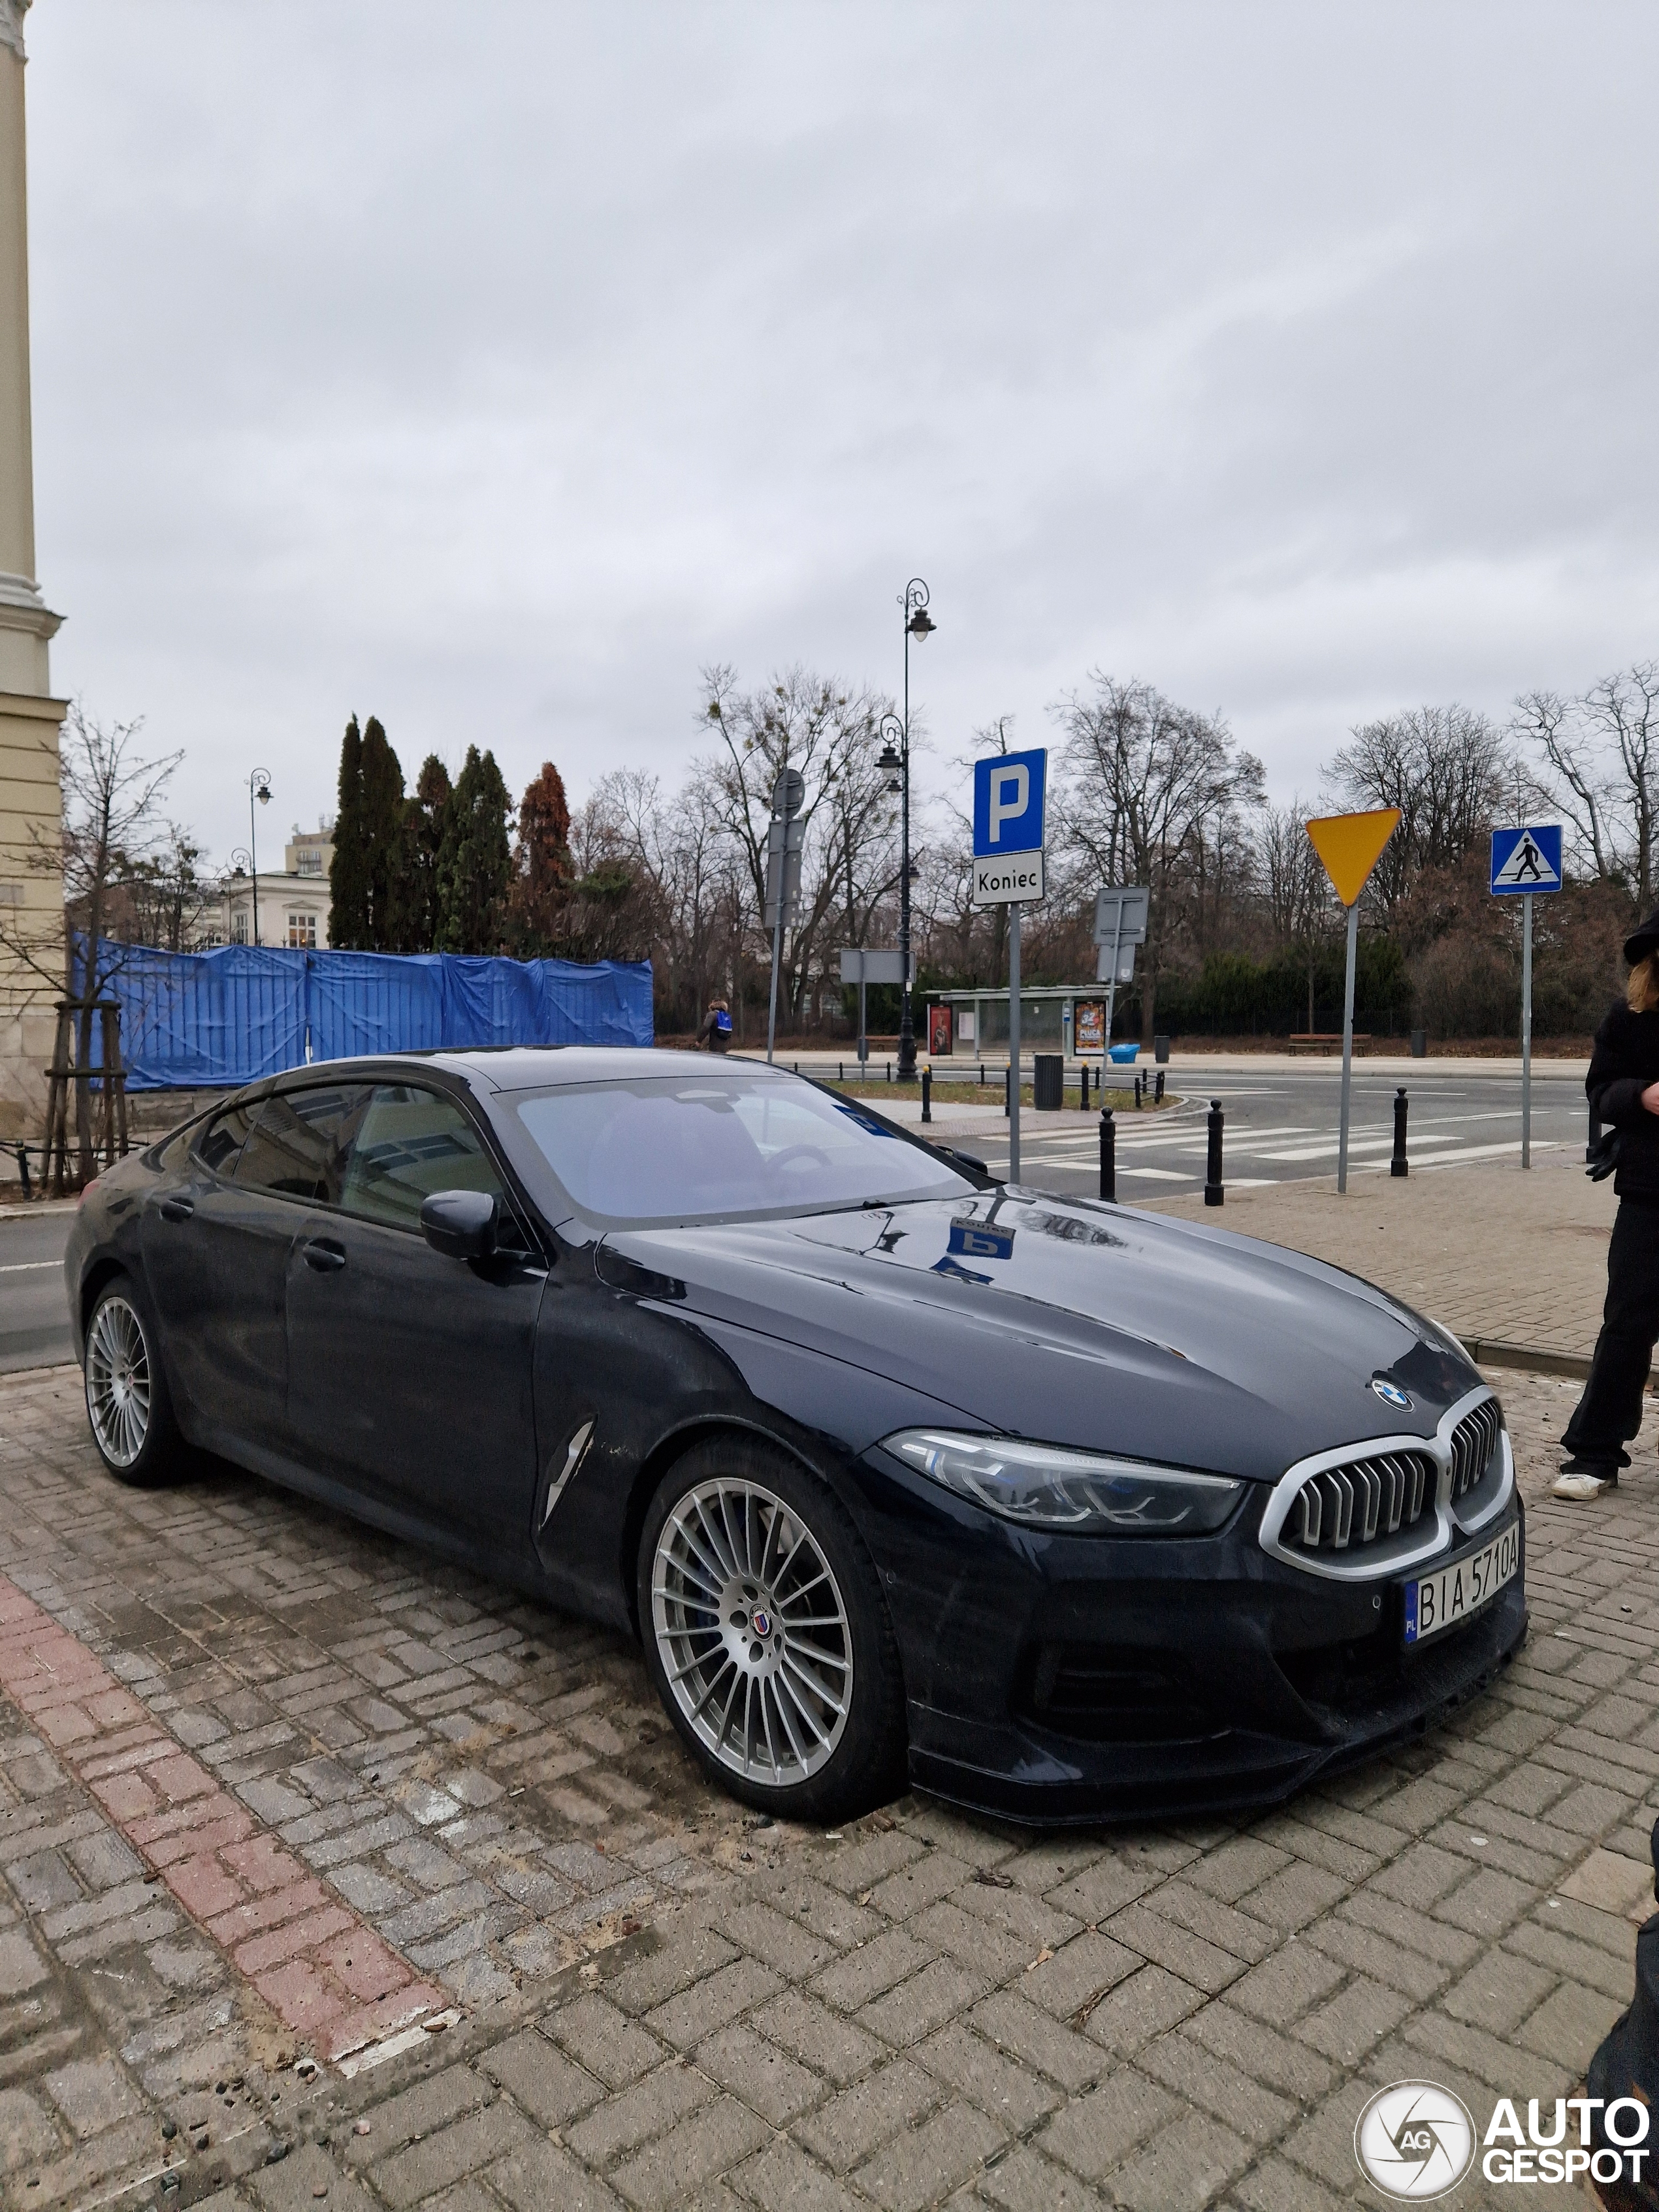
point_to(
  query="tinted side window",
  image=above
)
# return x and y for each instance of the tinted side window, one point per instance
(223, 1140)
(298, 1145)
(411, 1143)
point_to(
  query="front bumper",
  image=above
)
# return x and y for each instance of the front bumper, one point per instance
(1055, 1679)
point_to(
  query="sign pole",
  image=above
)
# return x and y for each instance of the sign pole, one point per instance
(1111, 988)
(1526, 1029)
(772, 1006)
(1013, 1041)
(1347, 1048)
(864, 1041)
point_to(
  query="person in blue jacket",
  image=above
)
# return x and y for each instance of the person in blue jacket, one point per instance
(1623, 1085)
(716, 1030)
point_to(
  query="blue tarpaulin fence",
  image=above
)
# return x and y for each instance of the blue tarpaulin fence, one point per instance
(190, 1019)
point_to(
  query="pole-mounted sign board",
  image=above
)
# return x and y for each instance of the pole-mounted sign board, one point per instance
(1350, 847)
(1009, 790)
(1525, 860)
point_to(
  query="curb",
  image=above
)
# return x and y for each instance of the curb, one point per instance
(1486, 1351)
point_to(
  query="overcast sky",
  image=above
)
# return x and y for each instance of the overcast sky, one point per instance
(494, 368)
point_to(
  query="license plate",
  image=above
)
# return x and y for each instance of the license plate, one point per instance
(1439, 1601)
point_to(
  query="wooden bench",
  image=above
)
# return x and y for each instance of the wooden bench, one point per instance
(1318, 1041)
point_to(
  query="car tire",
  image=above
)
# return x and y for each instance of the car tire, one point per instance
(799, 1712)
(128, 1407)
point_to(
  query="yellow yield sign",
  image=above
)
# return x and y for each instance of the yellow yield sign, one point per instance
(1350, 845)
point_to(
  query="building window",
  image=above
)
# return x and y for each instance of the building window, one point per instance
(238, 929)
(302, 931)
(310, 859)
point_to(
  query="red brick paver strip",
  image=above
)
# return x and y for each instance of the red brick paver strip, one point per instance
(325, 1973)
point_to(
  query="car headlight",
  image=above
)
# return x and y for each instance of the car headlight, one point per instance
(1043, 1486)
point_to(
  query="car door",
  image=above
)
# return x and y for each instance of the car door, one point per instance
(216, 1241)
(410, 1374)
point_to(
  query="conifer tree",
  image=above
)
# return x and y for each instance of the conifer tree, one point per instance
(383, 835)
(542, 867)
(415, 918)
(349, 870)
(475, 862)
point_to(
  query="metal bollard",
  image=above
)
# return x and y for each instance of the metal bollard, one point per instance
(1398, 1166)
(1137, 1094)
(840, 1071)
(1213, 1192)
(1082, 1087)
(1107, 1156)
(1157, 1094)
(1595, 1138)
(889, 1071)
(23, 1167)
(1006, 1093)
(926, 1094)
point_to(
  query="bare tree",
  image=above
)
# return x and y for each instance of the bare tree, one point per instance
(112, 829)
(1600, 752)
(830, 732)
(1444, 768)
(1296, 897)
(1147, 782)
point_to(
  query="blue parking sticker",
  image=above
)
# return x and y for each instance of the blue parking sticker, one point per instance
(977, 1240)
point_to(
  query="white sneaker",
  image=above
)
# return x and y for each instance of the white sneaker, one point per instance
(1578, 1486)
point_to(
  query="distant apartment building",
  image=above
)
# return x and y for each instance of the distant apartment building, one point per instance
(293, 907)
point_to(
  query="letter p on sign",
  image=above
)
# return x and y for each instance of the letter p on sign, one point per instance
(1011, 796)
(1008, 796)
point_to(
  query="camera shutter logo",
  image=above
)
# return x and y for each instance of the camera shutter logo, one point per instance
(1414, 2140)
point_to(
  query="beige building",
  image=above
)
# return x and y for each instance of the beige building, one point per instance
(293, 907)
(31, 810)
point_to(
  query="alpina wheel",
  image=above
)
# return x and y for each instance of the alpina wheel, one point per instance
(127, 1402)
(767, 1633)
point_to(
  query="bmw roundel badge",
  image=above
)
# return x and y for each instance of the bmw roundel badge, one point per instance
(1391, 1394)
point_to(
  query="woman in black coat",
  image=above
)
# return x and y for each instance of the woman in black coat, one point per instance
(1623, 1085)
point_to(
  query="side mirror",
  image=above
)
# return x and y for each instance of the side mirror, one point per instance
(460, 1223)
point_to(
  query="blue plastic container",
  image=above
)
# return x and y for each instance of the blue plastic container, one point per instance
(1124, 1055)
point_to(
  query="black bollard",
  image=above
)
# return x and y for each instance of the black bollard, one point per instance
(1083, 1086)
(926, 1094)
(1627, 2063)
(1398, 1166)
(1006, 1094)
(1137, 1094)
(23, 1167)
(1213, 1192)
(1157, 1092)
(1107, 1156)
(889, 1071)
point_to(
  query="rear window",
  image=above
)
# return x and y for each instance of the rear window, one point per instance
(222, 1141)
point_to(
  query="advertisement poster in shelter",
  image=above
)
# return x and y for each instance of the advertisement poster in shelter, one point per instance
(938, 1032)
(1088, 1032)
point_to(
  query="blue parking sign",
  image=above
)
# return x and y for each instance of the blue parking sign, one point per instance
(1526, 859)
(1008, 795)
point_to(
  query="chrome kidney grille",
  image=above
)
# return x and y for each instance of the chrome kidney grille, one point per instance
(1342, 1506)
(1474, 1441)
(1363, 1512)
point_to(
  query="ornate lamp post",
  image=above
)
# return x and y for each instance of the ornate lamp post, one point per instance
(258, 786)
(896, 764)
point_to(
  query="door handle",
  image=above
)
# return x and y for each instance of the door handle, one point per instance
(323, 1257)
(176, 1209)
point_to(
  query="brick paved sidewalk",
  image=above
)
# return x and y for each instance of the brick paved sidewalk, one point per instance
(646, 1998)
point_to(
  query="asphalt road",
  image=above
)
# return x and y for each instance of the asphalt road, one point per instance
(34, 1330)
(1280, 1126)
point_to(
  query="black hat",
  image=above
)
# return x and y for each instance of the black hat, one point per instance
(1641, 942)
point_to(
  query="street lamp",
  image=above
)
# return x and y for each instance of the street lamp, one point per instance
(258, 786)
(896, 765)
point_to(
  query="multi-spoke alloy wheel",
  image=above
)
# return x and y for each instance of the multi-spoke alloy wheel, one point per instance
(118, 1382)
(753, 1631)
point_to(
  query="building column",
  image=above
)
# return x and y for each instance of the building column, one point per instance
(31, 807)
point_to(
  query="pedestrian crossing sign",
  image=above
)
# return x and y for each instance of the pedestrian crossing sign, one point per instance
(1526, 859)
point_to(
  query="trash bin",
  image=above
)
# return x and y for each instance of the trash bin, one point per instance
(1161, 1051)
(1048, 1083)
(1419, 1044)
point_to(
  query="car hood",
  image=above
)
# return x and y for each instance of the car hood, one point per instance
(1075, 1323)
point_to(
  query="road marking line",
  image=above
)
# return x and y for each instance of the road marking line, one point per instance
(316, 1962)
(28, 1267)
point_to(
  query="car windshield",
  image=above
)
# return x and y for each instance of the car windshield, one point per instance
(647, 1153)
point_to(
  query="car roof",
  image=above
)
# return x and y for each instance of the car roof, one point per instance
(535, 1068)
